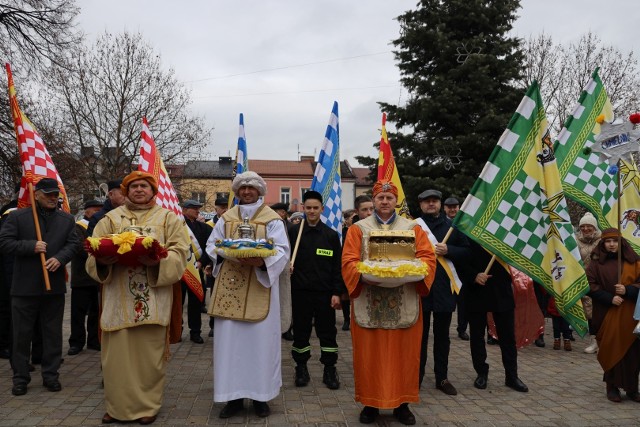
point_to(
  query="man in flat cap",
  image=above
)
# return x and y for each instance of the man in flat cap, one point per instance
(115, 198)
(137, 303)
(247, 349)
(221, 205)
(84, 290)
(386, 348)
(29, 297)
(201, 231)
(316, 286)
(451, 207)
(441, 301)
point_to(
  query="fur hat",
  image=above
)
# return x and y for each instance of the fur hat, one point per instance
(249, 179)
(589, 219)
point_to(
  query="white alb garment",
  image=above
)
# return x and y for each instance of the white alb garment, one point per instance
(246, 355)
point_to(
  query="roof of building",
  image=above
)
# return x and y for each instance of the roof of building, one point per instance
(363, 176)
(208, 169)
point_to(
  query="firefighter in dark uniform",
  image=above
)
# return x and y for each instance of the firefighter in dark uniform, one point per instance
(316, 286)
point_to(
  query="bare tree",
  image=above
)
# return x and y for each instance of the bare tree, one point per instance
(563, 71)
(33, 36)
(37, 29)
(110, 87)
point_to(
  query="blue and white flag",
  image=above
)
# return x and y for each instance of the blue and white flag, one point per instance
(326, 179)
(242, 161)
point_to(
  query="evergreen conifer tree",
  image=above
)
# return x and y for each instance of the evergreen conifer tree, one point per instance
(460, 67)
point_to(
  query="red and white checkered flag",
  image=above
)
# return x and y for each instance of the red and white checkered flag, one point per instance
(36, 161)
(151, 162)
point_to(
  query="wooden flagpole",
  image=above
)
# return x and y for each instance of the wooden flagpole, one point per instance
(295, 248)
(43, 258)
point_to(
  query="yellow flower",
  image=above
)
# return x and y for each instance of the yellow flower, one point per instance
(147, 242)
(600, 119)
(94, 242)
(124, 241)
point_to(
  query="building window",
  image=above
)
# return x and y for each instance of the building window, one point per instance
(224, 195)
(199, 197)
(285, 194)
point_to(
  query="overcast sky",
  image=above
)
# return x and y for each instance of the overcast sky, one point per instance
(283, 63)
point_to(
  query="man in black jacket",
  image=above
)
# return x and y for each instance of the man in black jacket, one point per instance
(201, 231)
(484, 293)
(316, 286)
(28, 295)
(115, 198)
(441, 301)
(84, 291)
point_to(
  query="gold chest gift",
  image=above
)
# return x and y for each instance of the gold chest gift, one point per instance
(389, 245)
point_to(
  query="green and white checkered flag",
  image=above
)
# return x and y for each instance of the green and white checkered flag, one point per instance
(517, 211)
(584, 176)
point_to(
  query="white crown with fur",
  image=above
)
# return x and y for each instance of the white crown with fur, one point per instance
(249, 179)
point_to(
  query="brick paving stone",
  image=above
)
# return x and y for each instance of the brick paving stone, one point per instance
(566, 390)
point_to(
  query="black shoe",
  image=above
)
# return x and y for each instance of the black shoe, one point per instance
(539, 342)
(330, 378)
(19, 389)
(74, 350)
(231, 408)
(369, 414)
(480, 382)
(31, 368)
(261, 409)
(302, 376)
(108, 419)
(447, 388)
(516, 384)
(197, 339)
(345, 326)
(491, 340)
(96, 347)
(404, 415)
(203, 310)
(210, 332)
(53, 385)
(288, 335)
(4, 353)
(145, 421)
(464, 336)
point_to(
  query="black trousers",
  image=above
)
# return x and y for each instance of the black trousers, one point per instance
(441, 344)
(462, 314)
(5, 318)
(504, 321)
(313, 309)
(24, 312)
(194, 314)
(84, 304)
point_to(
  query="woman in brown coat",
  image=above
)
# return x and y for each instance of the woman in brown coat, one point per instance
(613, 306)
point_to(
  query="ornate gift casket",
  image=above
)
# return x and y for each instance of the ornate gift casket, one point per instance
(389, 258)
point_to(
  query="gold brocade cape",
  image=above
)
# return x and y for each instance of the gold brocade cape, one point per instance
(237, 293)
(133, 296)
(381, 307)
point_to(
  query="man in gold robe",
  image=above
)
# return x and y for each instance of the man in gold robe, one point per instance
(386, 360)
(136, 303)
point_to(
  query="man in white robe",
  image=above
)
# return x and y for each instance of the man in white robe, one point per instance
(246, 355)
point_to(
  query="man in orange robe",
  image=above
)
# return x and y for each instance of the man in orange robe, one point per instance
(386, 361)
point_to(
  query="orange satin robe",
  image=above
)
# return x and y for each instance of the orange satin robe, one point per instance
(386, 362)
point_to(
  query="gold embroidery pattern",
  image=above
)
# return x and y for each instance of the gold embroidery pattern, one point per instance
(140, 291)
(384, 305)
